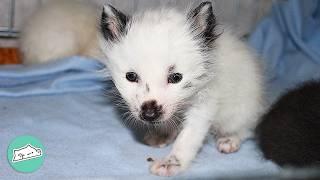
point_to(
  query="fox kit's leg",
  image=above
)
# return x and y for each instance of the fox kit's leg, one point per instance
(188, 142)
(229, 133)
(225, 143)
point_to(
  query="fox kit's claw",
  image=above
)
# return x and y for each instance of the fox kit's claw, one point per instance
(166, 167)
(228, 144)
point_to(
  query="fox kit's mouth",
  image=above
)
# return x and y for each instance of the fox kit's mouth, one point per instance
(155, 121)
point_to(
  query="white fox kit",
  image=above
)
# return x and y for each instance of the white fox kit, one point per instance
(175, 68)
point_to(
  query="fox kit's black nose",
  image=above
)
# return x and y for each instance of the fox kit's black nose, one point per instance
(150, 111)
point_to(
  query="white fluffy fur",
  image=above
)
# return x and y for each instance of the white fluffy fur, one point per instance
(226, 93)
(60, 28)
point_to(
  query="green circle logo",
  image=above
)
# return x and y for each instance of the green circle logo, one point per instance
(25, 154)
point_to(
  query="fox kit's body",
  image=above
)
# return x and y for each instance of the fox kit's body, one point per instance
(61, 28)
(288, 133)
(220, 79)
(166, 63)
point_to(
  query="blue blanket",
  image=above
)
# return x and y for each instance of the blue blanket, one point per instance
(74, 74)
(81, 132)
(63, 104)
(289, 41)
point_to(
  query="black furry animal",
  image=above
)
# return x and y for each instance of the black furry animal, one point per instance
(289, 134)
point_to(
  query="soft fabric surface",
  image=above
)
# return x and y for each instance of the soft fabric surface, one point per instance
(74, 74)
(82, 133)
(63, 104)
(85, 139)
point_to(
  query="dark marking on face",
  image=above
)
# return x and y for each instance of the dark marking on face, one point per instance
(172, 68)
(201, 77)
(147, 87)
(187, 85)
(207, 64)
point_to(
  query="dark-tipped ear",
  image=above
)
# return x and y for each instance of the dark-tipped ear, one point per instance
(203, 22)
(113, 23)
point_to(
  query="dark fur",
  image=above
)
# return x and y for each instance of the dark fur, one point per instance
(121, 24)
(289, 133)
(208, 34)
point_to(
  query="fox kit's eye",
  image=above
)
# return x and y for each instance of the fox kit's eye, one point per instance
(132, 76)
(174, 78)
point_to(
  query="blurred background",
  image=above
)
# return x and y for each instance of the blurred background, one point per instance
(243, 15)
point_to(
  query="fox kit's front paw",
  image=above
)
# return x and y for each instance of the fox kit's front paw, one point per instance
(166, 167)
(228, 144)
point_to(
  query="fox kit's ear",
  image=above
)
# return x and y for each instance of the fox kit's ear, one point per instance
(203, 22)
(113, 23)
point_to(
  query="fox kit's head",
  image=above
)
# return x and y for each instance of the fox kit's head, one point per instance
(158, 59)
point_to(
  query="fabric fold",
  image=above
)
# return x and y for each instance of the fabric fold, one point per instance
(74, 74)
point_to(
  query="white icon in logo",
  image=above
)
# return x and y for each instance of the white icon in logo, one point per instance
(25, 153)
